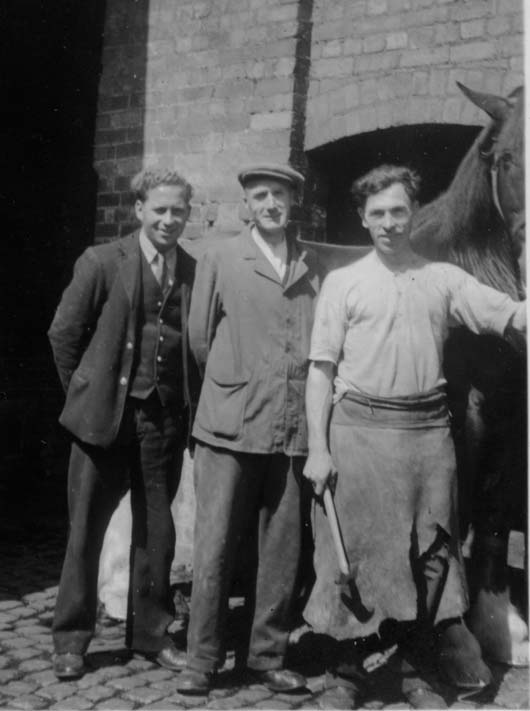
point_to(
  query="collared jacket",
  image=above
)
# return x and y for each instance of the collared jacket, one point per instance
(250, 334)
(94, 337)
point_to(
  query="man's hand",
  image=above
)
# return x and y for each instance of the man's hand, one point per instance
(320, 470)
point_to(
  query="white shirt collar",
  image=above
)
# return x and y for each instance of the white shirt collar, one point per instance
(276, 254)
(150, 252)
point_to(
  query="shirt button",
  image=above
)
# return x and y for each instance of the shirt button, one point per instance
(129, 346)
(159, 304)
(123, 381)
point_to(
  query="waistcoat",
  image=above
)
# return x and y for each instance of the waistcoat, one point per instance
(158, 357)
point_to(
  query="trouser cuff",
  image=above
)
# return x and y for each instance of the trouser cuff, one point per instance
(205, 666)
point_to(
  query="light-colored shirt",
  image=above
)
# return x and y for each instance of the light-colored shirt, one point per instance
(385, 330)
(275, 253)
(152, 255)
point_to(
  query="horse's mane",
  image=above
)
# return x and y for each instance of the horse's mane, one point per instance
(463, 226)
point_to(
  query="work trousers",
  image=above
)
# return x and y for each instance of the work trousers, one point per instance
(148, 454)
(232, 489)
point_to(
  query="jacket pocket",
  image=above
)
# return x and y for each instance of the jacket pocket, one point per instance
(222, 409)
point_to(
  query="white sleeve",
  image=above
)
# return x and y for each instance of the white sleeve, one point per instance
(479, 307)
(329, 327)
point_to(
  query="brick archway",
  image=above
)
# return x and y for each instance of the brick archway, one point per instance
(435, 150)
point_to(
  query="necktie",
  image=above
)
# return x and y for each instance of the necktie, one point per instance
(160, 270)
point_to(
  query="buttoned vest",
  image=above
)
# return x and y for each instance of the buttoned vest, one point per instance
(158, 356)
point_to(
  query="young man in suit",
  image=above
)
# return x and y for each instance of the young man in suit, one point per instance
(120, 347)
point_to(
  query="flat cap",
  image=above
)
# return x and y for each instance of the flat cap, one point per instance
(271, 170)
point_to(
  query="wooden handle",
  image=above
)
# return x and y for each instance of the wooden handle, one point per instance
(329, 505)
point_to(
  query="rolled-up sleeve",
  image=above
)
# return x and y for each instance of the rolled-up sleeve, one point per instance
(479, 307)
(330, 322)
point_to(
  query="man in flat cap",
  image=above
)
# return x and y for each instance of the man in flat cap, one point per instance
(250, 323)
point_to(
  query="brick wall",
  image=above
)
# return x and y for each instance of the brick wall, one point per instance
(208, 85)
(381, 63)
(202, 85)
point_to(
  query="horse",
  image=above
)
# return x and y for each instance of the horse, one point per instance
(478, 223)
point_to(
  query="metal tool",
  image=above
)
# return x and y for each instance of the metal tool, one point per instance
(346, 577)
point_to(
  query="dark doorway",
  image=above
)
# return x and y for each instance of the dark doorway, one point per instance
(52, 64)
(432, 149)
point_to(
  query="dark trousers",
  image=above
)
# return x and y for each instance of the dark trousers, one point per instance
(231, 488)
(148, 452)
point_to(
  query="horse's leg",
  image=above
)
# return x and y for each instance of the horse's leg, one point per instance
(493, 619)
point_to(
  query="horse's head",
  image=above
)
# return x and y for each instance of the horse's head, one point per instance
(502, 146)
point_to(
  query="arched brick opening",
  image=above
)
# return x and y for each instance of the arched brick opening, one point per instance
(434, 150)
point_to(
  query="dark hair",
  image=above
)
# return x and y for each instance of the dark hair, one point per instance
(383, 177)
(148, 179)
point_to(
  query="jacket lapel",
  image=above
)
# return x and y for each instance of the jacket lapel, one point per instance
(129, 267)
(250, 252)
(299, 268)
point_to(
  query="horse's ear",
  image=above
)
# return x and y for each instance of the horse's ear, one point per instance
(495, 106)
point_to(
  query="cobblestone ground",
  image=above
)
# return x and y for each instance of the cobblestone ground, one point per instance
(30, 567)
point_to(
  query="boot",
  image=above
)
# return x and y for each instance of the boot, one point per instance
(460, 660)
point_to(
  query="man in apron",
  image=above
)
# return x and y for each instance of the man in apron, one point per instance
(376, 384)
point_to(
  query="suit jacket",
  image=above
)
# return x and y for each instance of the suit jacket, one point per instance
(250, 334)
(94, 336)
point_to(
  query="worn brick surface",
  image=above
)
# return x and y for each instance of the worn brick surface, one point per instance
(18, 688)
(27, 702)
(156, 675)
(72, 703)
(98, 692)
(116, 704)
(7, 675)
(143, 695)
(8, 605)
(125, 683)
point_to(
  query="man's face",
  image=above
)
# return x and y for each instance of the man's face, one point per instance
(387, 215)
(163, 215)
(269, 202)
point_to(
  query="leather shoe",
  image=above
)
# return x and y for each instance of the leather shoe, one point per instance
(168, 657)
(280, 680)
(68, 665)
(460, 660)
(191, 681)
